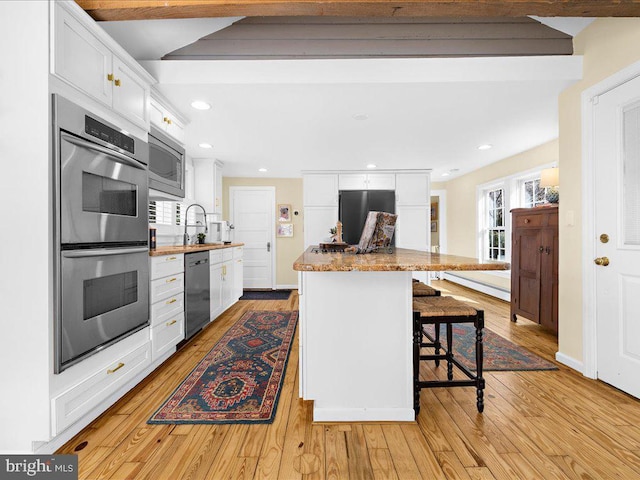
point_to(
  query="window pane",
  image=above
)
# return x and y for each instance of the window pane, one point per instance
(502, 245)
(499, 198)
(540, 193)
(499, 218)
(528, 194)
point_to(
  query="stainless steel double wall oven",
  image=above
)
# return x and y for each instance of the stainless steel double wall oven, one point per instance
(101, 259)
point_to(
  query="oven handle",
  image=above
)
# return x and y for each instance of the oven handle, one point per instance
(102, 252)
(92, 146)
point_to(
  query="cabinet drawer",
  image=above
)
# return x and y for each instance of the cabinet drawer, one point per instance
(167, 309)
(166, 265)
(166, 287)
(166, 336)
(82, 398)
(215, 256)
(227, 254)
(528, 220)
(237, 252)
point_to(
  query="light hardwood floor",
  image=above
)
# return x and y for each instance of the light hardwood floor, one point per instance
(536, 425)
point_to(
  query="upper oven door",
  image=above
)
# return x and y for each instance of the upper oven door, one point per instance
(103, 194)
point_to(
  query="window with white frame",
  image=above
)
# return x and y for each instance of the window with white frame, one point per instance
(495, 201)
(495, 221)
(532, 194)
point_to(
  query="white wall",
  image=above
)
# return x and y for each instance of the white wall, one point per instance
(25, 290)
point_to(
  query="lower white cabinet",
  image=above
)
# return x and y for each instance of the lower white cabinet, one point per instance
(215, 286)
(98, 385)
(227, 284)
(166, 335)
(238, 277)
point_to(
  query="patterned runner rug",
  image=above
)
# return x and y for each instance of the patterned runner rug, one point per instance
(239, 380)
(499, 353)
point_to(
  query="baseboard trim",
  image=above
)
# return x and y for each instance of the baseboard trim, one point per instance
(570, 362)
(364, 415)
(479, 286)
(287, 287)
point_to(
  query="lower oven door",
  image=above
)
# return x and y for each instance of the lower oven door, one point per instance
(104, 297)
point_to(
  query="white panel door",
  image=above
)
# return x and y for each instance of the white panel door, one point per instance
(130, 94)
(252, 213)
(617, 188)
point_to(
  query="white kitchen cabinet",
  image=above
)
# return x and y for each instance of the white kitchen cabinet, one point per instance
(208, 184)
(88, 59)
(366, 181)
(227, 284)
(111, 373)
(167, 303)
(165, 117)
(215, 287)
(238, 277)
(412, 227)
(317, 222)
(320, 189)
(412, 189)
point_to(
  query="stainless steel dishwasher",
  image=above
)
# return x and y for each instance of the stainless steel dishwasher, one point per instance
(197, 295)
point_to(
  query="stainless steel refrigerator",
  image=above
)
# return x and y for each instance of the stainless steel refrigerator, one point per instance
(354, 205)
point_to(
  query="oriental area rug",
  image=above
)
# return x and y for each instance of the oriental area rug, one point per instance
(239, 380)
(499, 353)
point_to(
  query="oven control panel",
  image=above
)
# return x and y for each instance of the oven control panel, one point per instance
(108, 134)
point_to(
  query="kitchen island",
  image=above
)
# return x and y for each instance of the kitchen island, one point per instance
(356, 330)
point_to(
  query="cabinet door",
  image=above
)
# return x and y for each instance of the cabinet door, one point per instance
(412, 189)
(525, 279)
(412, 228)
(175, 129)
(320, 190)
(381, 181)
(549, 279)
(215, 287)
(130, 94)
(317, 222)
(156, 115)
(217, 192)
(81, 59)
(227, 283)
(238, 275)
(352, 181)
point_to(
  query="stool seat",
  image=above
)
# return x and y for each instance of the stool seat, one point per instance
(442, 307)
(423, 290)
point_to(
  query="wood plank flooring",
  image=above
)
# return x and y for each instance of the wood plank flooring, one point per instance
(536, 425)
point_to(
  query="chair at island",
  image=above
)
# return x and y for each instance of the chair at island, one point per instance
(437, 310)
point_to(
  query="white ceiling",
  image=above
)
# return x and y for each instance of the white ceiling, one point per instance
(294, 115)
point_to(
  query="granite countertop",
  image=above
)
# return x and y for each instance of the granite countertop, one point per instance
(175, 249)
(401, 259)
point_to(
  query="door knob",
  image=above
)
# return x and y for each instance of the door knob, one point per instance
(604, 238)
(603, 261)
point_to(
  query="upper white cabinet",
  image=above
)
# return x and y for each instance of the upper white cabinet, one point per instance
(412, 189)
(366, 181)
(89, 60)
(208, 184)
(320, 190)
(165, 117)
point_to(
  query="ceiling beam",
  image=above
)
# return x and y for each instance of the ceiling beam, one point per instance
(106, 10)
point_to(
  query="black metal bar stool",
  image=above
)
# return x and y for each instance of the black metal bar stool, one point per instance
(445, 310)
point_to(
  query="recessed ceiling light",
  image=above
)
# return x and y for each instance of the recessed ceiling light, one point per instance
(446, 174)
(360, 116)
(200, 105)
(486, 146)
(371, 165)
(205, 145)
(262, 170)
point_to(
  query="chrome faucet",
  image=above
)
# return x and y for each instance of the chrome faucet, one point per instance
(185, 237)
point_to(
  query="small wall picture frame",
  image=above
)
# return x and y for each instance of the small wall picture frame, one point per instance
(284, 212)
(285, 230)
(434, 212)
(434, 227)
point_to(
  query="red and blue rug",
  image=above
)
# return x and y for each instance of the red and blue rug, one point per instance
(239, 380)
(499, 353)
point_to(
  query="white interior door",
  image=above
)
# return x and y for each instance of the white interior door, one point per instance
(617, 188)
(252, 213)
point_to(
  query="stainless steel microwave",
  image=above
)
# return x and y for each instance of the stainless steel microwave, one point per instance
(166, 164)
